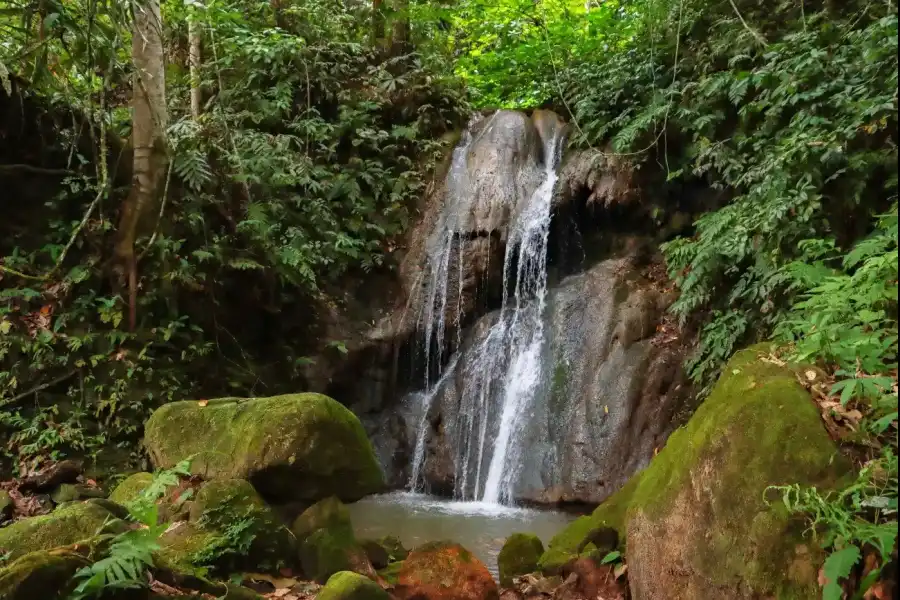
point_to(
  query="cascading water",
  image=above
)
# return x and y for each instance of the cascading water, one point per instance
(502, 371)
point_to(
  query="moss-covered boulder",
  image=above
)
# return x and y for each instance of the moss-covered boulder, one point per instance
(327, 543)
(291, 448)
(697, 522)
(519, 556)
(224, 503)
(41, 575)
(384, 550)
(131, 488)
(186, 547)
(391, 573)
(444, 571)
(74, 522)
(73, 492)
(347, 585)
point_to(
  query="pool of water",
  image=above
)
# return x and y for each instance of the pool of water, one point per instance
(479, 527)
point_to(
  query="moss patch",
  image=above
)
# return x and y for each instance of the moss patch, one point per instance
(74, 522)
(291, 447)
(326, 552)
(347, 585)
(391, 573)
(131, 488)
(519, 556)
(40, 575)
(329, 513)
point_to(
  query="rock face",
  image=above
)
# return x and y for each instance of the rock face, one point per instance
(613, 386)
(444, 571)
(292, 447)
(696, 522)
(75, 522)
(519, 556)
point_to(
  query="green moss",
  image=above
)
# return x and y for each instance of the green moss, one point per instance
(291, 447)
(394, 546)
(131, 488)
(329, 513)
(40, 575)
(519, 556)
(326, 552)
(74, 522)
(6, 505)
(347, 585)
(391, 573)
(181, 544)
(757, 428)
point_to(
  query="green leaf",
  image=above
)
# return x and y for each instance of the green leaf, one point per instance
(611, 557)
(838, 566)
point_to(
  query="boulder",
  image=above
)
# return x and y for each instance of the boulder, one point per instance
(327, 543)
(347, 585)
(384, 550)
(699, 522)
(72, 492)
(291, 447)
(74, 522)
(519, 556)
(131, 488)
(41, 575)
(185, 547)
(224, 503)
(444, 571)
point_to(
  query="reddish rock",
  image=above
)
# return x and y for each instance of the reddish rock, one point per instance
(444, 571)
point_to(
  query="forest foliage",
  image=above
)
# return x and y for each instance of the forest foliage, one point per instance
(316, 137)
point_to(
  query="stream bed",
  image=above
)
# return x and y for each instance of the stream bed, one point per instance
(480, 527)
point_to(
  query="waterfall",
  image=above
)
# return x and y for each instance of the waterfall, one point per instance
(497, 382)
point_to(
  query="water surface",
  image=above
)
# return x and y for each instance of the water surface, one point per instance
(480, 527)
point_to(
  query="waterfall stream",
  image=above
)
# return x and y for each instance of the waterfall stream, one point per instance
(503, 367)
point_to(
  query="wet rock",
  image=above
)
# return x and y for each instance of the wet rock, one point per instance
(291, 447)
(66, 471)
(74, 522)
(71, 492)
(696, 519)
(40, 575)
(601, 180)
(347, 585)
(444, 571)
(519, 556)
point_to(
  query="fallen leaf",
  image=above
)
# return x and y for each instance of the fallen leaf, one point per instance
(620, 570)
(811, 375)
(203, 402)
(281, 592)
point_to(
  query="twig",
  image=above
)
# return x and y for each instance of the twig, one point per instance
(34, 170)
(753, 32)
(36, 389)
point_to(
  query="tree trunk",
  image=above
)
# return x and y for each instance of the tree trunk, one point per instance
(400, 28)
(149, 120)
(378, 23)
(194, 61)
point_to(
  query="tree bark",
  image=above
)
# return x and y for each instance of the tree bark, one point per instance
(378, 23)
(400, 28)
(194, 63)
(149, 119)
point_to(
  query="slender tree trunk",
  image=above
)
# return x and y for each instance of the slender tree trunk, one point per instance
(400, 28)
(377, 23)
(149, 120)
(194, 60)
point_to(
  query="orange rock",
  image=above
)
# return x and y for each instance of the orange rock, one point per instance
(444, 571)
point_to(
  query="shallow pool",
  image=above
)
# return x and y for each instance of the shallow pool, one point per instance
(479, 527)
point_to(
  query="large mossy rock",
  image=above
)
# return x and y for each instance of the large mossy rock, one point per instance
(131, 488)
(74, 522)
(519, 556)
(444, 571)
(327, 543)
(697, 521)
(294, 447)
(347, 585)
(40, 575)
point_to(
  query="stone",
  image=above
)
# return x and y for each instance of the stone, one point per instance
(444, 571)
(327, 543)
(346, 585)
(71, 492)
(291, 447)
(377, 554)
(69, 524)
(41, 575)
(221, 503)
(130, 488)
(519, 556)
(698, 521)
(65, 471)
